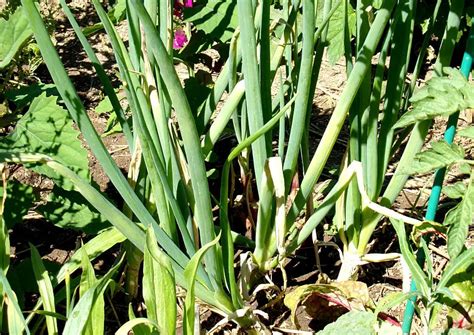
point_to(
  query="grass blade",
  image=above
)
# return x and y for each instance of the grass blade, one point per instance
(253, 98)
(159, 290)
(45, 289)
(221, 120)
(149, 142)
(108, 88)
(83, 310)
(303, 87)
(202, 208)
(418, 275)
(190, 275)
(4, 237)
(15, 319)
(78, 113)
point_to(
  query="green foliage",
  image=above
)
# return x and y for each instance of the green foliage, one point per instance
(217, 18)
(45, 289)
(19, 200)
(23, 96)
(4, 246)
(159, 290)
(422, 282)
(190, 274)
(87, 314)
(441, 96)
(47, 128)
(168, 207)
(105, 107)
(14, 32)
(441, 154)
(458, 219)
(9, 302)
(455, 190)
(467, 132)
(341, 26)
(353, 322)
(69, 209)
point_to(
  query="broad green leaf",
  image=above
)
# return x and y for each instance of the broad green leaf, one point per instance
(463, 261)
(45, 289)
(463, 287)
(48, 129)
(130, 229)
(19, 200)
(197, 89)
(467, 132)
(15, 319)
(190, 275)
(417, 273)
(459, 219)
(104, 107)
(441, 154)
(159, 290)
(454, 191)
(23, 96)
(22, 278)
(217, 18)
(116, 14)
(336, 30)
(113, 125)
(13, 34)
(354, 323)
(69, 209)
(82, 311)
(441, 96)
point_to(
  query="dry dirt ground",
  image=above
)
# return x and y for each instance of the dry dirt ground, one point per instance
(381, 278)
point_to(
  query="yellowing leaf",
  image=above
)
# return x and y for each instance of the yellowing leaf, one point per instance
(328, 301)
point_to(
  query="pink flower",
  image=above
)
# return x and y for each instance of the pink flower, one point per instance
(180, 39)
(188, 3)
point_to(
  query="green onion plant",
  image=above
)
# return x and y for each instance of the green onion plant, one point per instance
(267, 87)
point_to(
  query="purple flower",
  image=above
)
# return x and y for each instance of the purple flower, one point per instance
(180, 39)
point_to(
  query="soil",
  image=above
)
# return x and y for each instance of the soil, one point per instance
(57, 244)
